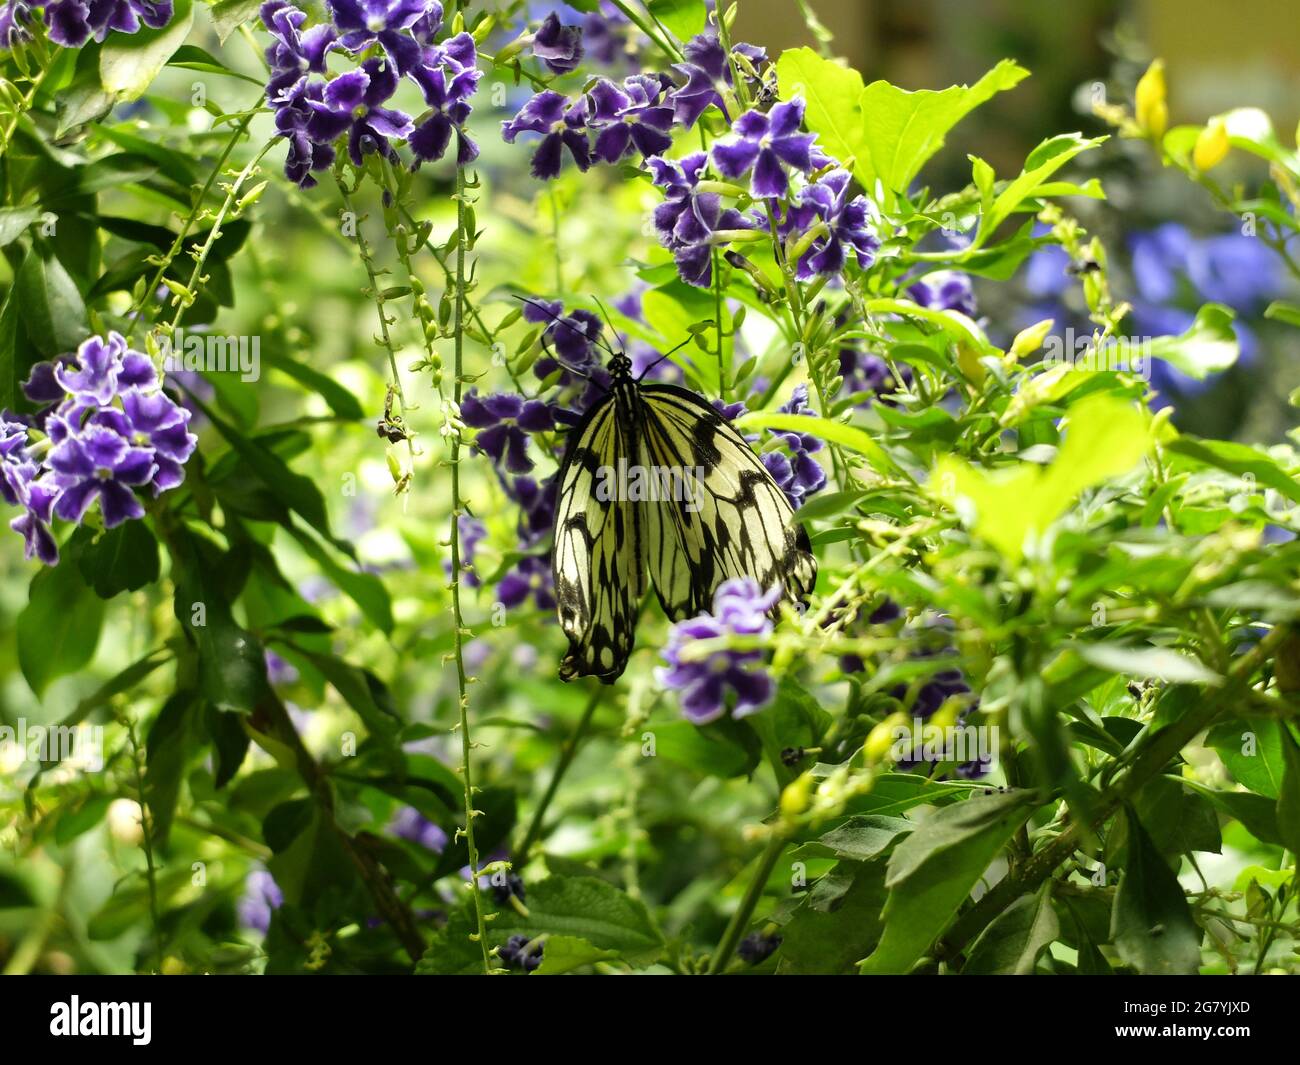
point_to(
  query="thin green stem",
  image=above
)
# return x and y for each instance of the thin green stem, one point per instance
(146, 840)
(643, 24)
(197, 277)
(570, 749)
(458, 631)
(740, 919)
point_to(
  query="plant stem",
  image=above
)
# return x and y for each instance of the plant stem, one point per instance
(146, 840)
(462, 698)
(567, 754)
(740, 919)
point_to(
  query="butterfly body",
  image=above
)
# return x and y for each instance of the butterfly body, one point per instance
(711, 512)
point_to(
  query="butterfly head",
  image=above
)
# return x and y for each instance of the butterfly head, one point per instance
(620, 366)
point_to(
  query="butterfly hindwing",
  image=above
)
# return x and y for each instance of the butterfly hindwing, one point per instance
(737, 522)
(597, 559)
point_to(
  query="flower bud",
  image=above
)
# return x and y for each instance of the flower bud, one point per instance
(124, 821)
(1211, 146)
(794, 799)
(1150, 105)
(1030, 339)
(881, 738)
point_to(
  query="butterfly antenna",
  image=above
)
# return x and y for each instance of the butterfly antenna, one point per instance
(661, 358)
(558, 320)
(610, 322)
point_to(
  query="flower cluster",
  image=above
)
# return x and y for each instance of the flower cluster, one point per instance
(519, 954)
(611, 121)
(689, 223)
(794, 469)
(314, 111)
(105, 429)
(73, 22)
(15, 23)
(726, 680)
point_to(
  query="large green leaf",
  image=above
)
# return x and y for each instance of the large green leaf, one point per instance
(827, 938)
(58, 630)
(1208, 346)
(1012, 942)
(932, 872)
(586, 908)
(128, 63)
(53, 312)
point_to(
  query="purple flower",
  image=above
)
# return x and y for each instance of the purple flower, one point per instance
(604, 33)
(562, 124)
(869, 375)
(261, 896)
(21, 486)
(945, 290)
(153, 420)
(350, 104)
(503, 420)
(849, 222)
(757, 947)
(15, 23)
(278, 671)
(472, 532)
(448, 76)
(687, 219)
(558, 46)
(293, 54)
(98, 462)
(408, 823)
(536, 507)
(707, 74)
(293, 113)
(630, 117)
(726, 679)
(766, 144)
(795, 471)
(381, 22)
(73, 22)
(517, 954)
(573, 336)
(102, 369)
(531, 576)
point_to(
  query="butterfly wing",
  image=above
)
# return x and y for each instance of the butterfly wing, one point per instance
(736, 523)
(597, 556)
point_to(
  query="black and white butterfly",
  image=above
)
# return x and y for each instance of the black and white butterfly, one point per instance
(727, 519)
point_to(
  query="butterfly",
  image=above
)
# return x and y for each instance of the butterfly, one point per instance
(654, 479)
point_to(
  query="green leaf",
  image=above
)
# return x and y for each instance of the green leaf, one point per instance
(1288, 796)
(833, 95)
(933, 870)
(14, 222)
(355, 686)
(830, 939)
(191, 57)
(340, 400)
(563, 954)
(1043, 162)
(364, 589)
(895, 793)
(586, 908)
(888, 132)
(1012, 942)
(1240, 459)
(1106, 437)
(704, 750)
(848, 436)
(75, 821)
(229, 15)
(860, 838)
(232, 668)
(122, 559)
(168, 749)
(128, 63)
(685, 18)
(1283, 311)
(58, 630)
(1252, 752)
(1208, 346)
(53, 312)
(1151, 925)
(1153, 663)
